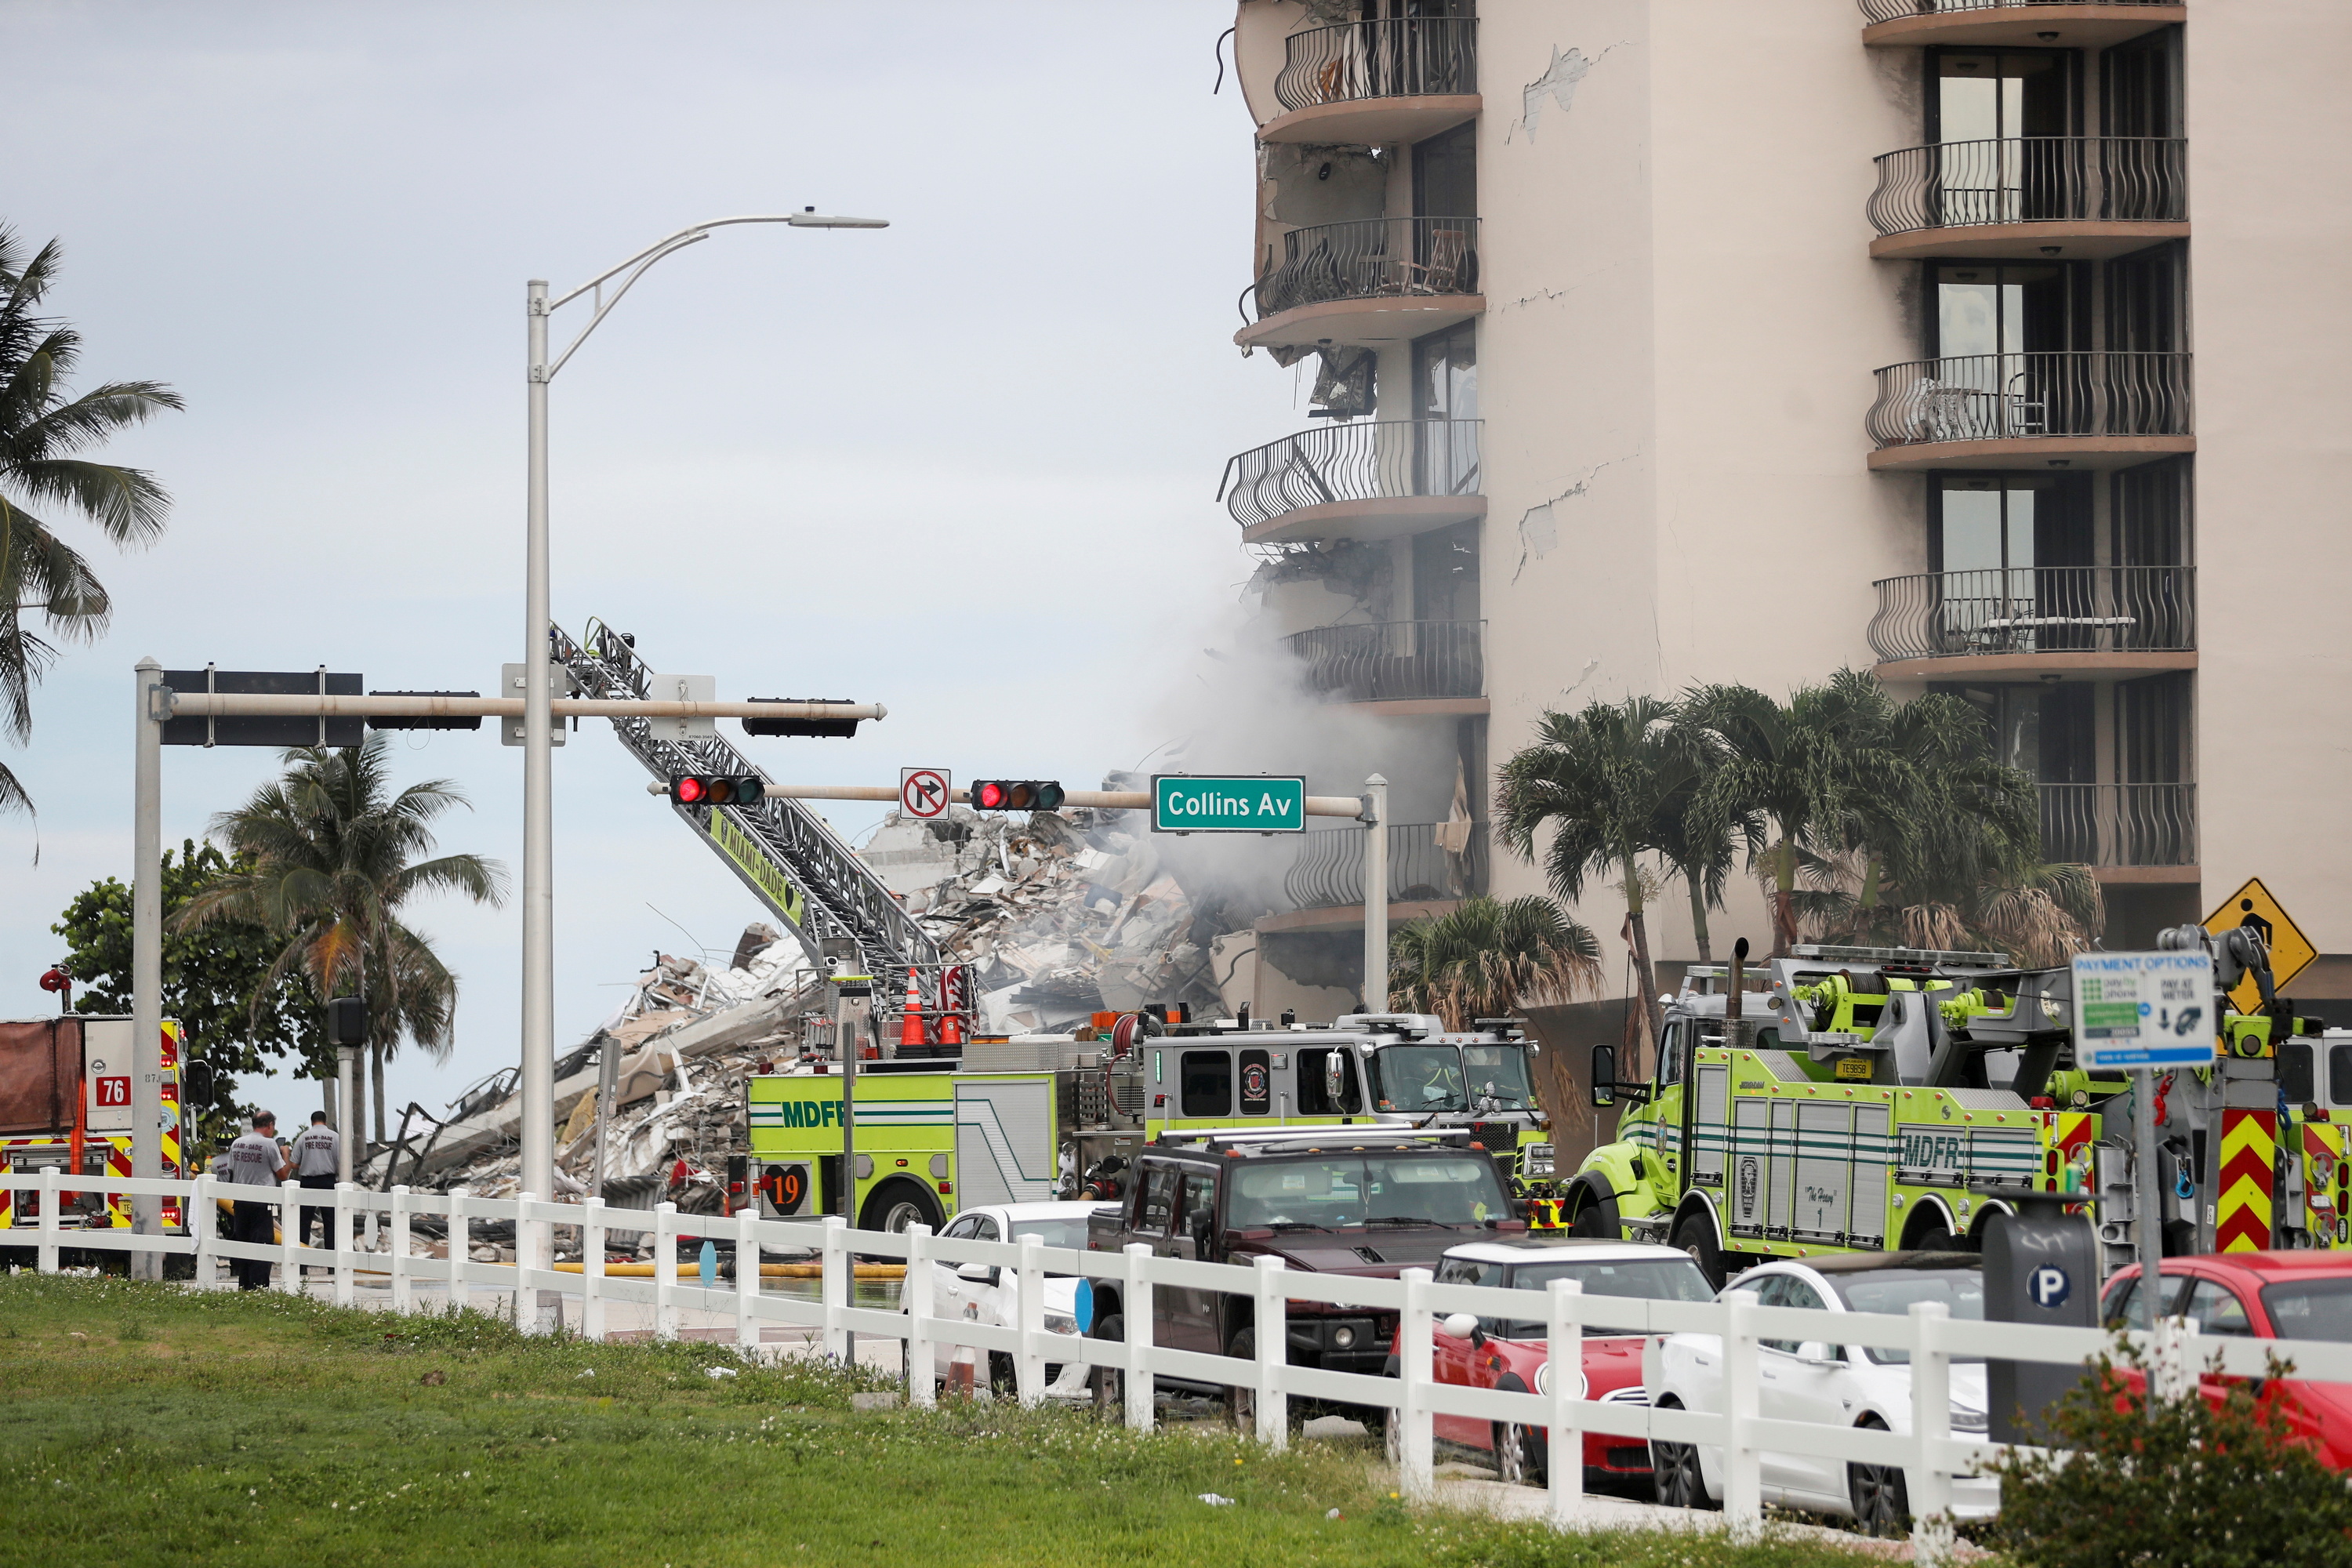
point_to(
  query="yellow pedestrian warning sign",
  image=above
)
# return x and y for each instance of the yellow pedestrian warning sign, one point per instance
(2291, 951)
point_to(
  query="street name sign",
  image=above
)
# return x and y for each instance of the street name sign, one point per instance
(2138, 1011)
(1188, 802)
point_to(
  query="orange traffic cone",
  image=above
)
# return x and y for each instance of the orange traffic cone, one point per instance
(910, 1027)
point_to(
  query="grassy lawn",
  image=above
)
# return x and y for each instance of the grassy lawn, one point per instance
(149, 1425)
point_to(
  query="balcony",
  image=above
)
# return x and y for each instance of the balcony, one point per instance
(1398, 669)
(2025, 24)
(1375, 280)
(2027, 197)
(1429, 863)
(2118, 621)
(1364, 83)
(1365, 479)
(2126, 832)
(2092, 409)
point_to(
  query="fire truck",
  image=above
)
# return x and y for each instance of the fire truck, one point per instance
(1033, 1116)
(1867, 1099)
(65, 1100)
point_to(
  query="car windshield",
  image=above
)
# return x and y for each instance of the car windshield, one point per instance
(1355, 1190)
(1414, 1078)
(1647, 1278)
(1892, 1292)
(1069, 1232)
(1500, 1073)
(2311, 1309)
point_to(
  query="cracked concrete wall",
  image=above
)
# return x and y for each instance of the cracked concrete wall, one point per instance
(1675, 361)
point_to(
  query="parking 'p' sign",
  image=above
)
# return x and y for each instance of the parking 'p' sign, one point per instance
(2049, 1286)
(923, 792)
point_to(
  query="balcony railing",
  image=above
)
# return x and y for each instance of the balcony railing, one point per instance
(1370, 259)
(1396, 57)
(1391, 661)
(2033, 179)
(2036, 609)
(1894, 10)
(1363, 461)
(2119, 824)
(2012, 397)
(1427, 861)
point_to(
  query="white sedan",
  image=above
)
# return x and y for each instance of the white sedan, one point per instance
(1824, 1382)
(986, 1294)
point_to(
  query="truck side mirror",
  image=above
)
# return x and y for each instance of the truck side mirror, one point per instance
(1200, 1225)
(1604, 1077)
(1335, 1077)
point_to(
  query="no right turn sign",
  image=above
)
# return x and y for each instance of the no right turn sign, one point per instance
(924, 792)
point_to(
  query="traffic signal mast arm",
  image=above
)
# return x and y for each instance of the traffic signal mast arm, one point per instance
(1346, 805)
(438, 705)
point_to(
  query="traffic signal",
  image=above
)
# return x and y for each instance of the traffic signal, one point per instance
(347, 1021)
(1016, 795)
(810, 729)
(718, 789)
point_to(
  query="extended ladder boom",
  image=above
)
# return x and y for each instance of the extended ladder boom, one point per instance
(784, 853)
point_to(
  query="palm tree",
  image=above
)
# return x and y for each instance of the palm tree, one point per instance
(1487, 957)
(333, 852)
(1695, 835)
(42, 435)
(1602, 780)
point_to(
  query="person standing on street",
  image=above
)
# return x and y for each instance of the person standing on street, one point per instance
(315, 1166)
(256, 1161)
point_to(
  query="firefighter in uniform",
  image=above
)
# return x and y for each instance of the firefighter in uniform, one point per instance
(314, 1166)
(256, 1161)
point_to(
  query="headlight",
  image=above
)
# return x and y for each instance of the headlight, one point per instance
(1536, 1158)
(1343, 1337)
(1055, 1323)
(1543, 1381)
(1967, 1420)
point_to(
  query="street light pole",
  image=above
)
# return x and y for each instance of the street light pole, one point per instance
(147, 968)
(1376, 894)
(538, 1077)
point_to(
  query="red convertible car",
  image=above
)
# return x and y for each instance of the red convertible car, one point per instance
(1512, 1352)
(2261, 1295)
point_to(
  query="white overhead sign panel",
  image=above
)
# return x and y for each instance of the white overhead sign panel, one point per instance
(2143, 1010)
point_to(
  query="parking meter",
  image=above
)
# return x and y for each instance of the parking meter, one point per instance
(2040, 1265)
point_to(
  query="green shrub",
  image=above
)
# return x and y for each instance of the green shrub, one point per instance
(2187, 1485)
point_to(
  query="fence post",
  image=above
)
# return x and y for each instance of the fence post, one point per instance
(591, 1271)
(290, 1236)
(2171, 1372)
(1416, 1364)
(1271, 1323)
(1029, 1314)
(1564, 1448)
(341, 1240)
(461, 1249)
(747, 1275)
(1743, 1493)
(664, 1271)
(920, 1395)
(1931, 1425)
(46, 1259)
(1135, 1305)
(204, 1227)
(835, 1259)
(401, 1291)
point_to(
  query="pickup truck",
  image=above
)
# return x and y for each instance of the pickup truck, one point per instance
(1365, 1200)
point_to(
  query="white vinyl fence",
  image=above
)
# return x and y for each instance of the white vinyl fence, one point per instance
(1930, 1455)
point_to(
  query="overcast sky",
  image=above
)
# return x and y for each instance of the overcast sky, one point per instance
(963, 467)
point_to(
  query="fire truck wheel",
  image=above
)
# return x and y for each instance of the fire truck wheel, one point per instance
(895, 1206)
(1882, 1505)
(1595, 1216)
(1695, 1235)
(1241, 1403)
(1110, 1383)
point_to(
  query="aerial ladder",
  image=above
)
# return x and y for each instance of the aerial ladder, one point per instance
(782, 851)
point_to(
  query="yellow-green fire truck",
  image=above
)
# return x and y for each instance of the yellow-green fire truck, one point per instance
(1866, 1098)
(1037, 1117)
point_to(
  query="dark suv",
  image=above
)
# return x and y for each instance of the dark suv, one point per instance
(1332, 1200)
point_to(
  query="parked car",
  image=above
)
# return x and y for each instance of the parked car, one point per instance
(984, 1293)
(2260, 1295)
(1515, 1353)
(1825, 1381)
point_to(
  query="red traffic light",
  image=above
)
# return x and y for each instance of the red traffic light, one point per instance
(718, 789)
(1016, 795)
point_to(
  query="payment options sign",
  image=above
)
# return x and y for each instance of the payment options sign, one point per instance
(2142, 1010)
(1184, 803)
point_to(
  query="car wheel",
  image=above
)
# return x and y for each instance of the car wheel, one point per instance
(1675, 1471)
(1695, 1235)
(1110, 1383)
(1882, 1504)
(1393, 1439)
(1003, 1381)
(1241, 1403)
(1519, 1455)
